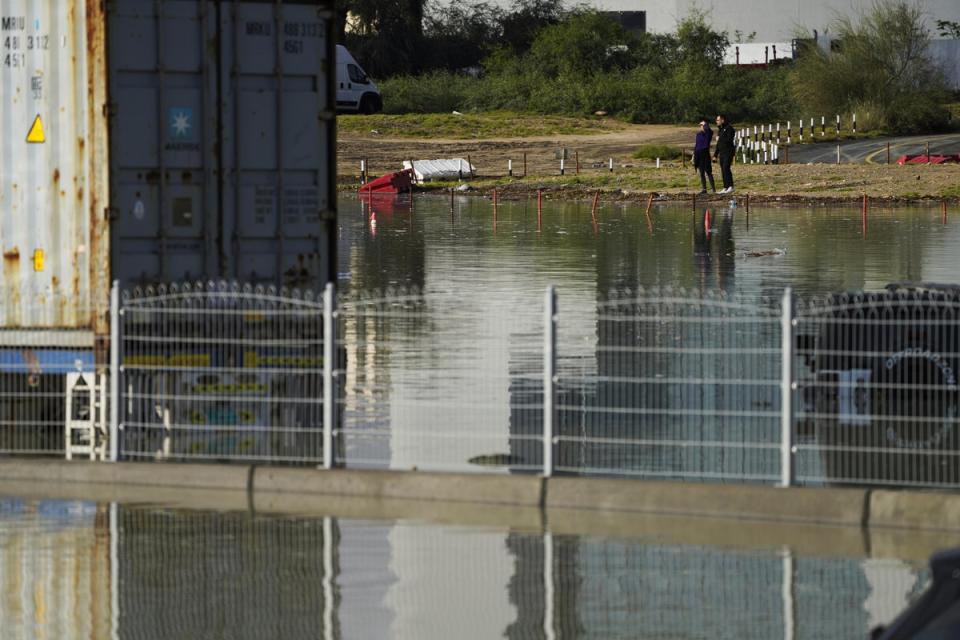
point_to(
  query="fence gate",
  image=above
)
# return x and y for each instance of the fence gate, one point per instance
(220, 372)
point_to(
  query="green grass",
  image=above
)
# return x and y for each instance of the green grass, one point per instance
(950, 192)
(654, 151)
(472, 126)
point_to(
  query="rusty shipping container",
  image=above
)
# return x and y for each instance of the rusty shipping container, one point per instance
(160, 141)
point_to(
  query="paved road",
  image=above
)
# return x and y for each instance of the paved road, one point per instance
(874, 151)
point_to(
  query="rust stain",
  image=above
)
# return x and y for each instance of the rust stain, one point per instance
(81, 143)
(80, 193)
(96, 183)
(76, 274)
(56, 175)
(63, 194)
(11, 282)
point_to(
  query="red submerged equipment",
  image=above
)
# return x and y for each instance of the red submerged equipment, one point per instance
(923, 158)
(396, 182)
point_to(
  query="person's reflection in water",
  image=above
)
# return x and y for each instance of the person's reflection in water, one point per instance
(724, 250)
(702, 260)
(714, 251)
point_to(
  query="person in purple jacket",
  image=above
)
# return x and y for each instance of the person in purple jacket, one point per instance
(701, 156)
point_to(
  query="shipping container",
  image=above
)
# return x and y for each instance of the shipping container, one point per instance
(158, 141)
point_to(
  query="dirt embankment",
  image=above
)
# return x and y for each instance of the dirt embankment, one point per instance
(490, 155)
(636, 179)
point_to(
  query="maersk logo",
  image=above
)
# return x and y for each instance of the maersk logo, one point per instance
(181, 124)
(182, 130)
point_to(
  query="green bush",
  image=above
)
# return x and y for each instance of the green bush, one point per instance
(437, 92)
(881, 62)
(917, 114)
(654, 151)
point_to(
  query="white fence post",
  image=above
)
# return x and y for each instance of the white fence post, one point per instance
(787, 476)
(114, 371)
(329, 351)
(549, 376)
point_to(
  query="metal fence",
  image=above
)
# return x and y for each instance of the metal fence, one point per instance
(33, 364)
(844, 389)
(683, 387)
(878, 394)
(415, 394)
(217, 371)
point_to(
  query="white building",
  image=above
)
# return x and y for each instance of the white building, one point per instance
(772, 20)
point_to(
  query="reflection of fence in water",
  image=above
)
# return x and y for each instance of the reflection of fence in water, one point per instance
(203, 574)
(179, 573)
(685, 387)
(222, 372)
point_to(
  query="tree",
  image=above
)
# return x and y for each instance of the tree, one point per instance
(461, 35)
(698, 43)
(949, 29)
(520, 26)
(881, 64)
(584, 43)
(385, 34)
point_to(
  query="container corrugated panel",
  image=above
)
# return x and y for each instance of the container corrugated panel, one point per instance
(52, 165)
(222, 145)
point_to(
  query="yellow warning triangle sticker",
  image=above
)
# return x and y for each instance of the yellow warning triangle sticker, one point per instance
(36, 134)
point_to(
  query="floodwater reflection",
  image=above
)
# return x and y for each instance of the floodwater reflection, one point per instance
(456, 381)
(88, 570)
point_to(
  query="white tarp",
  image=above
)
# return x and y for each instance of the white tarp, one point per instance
(446, 169)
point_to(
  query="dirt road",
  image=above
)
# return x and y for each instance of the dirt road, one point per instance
(490, 156)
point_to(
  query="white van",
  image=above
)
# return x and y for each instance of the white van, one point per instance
(355, 91)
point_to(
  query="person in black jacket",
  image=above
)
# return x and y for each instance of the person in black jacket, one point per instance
(701, 156)
(724, 152)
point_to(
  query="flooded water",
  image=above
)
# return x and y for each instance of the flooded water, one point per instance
(468, 250)
(88, 570)
(457, 378)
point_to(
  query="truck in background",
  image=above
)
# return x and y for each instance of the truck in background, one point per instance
(356, 92)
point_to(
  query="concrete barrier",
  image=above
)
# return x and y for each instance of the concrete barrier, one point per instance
(567, 504)
(821, 506)
(515, 518)
(915, 510)
(174, 475)
(405, 485)
(169, 497)
(719, 532)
